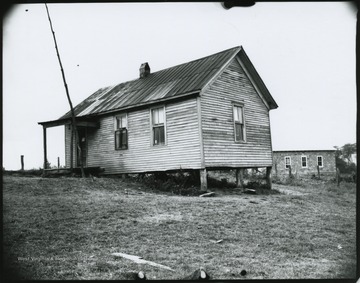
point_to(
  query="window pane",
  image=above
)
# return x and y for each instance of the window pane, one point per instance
(161, 135)
(239, 131)
(118, 123)
(155, 116)
(161, 115)
(238, 114)
(123, 122)
(156, 135)
(287, 162)
(117, 139)
(235, 114)
(158, 116)
(121, 139)
(124, 138)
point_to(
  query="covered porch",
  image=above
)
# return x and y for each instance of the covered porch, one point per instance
(77, 154)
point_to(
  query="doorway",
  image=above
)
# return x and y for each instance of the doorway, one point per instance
(83, 147)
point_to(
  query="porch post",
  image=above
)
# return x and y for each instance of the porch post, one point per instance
(45, 148)
(268, 176)
(240, 178)
(72, 148)
(203, 179)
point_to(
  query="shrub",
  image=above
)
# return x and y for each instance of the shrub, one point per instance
(350, 178)
(223, 183)
(180, 183)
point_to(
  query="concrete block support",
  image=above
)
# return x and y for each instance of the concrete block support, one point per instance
(268, 177)
(240, 178)
(203, 179)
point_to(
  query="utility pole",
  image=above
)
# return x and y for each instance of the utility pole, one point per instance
(74, 128)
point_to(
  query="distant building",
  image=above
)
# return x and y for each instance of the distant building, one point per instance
(304, 163)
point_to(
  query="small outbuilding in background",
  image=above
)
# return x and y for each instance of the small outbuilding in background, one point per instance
(304, 163)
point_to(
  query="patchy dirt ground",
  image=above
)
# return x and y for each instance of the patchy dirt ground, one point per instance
(287, 190)
(67, 228)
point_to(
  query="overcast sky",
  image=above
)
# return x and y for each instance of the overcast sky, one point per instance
(304, 52)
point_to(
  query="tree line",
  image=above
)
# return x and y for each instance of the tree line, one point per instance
(346, 158)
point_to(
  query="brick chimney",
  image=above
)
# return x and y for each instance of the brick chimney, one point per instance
(144, 70)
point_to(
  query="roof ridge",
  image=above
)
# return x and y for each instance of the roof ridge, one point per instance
(195, 60)
(202, 58)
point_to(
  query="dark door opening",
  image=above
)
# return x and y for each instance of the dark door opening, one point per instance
(83, 147)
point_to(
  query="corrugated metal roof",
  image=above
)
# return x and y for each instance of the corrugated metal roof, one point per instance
(160, 85)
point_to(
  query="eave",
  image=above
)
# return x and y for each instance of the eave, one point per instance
(88, 120)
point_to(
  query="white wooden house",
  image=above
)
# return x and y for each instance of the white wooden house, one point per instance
(207, 114)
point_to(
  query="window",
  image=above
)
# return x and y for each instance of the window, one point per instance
(303, 161)
(287, 162)
(121, 134)
(158, 125)
(239, 123)
(320, 161)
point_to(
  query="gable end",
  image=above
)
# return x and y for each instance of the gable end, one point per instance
(256, 80)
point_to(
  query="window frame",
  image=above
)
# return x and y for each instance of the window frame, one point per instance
(306, 161)
(152, 126)
(120, 130)
(322, 161)
(235, 122)
(289, 161)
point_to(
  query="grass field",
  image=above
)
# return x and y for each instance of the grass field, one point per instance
(67, 228)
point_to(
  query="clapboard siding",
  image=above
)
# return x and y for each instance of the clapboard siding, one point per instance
(67, 145)
(220, 148)
(67, 129)
(182, 149)
(194, 139)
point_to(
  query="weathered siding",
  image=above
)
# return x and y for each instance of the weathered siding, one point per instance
(67, 129)
(220, 148)
(182, 149)
(68, 146)
(328, 169)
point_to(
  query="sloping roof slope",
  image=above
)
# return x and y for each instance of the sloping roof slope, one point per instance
(167, 83)
(170, 83)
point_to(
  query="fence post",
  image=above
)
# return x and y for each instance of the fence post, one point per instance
(22, 162)
(290, 174)
(338, 177)
(318, 170)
